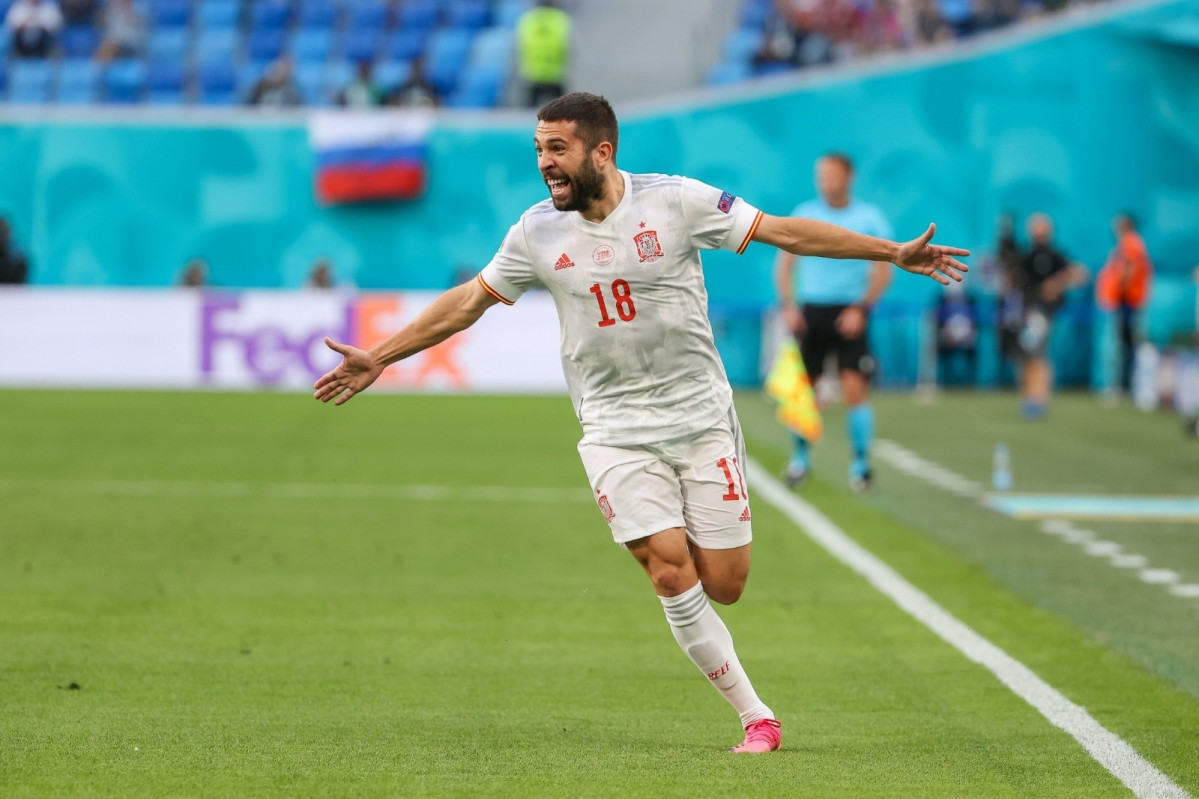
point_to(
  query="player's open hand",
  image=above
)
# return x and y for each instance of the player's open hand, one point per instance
(356, 371)
(933, 260)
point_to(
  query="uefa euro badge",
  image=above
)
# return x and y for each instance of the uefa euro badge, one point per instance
(648, 248)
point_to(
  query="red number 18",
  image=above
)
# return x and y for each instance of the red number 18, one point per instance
(623, 294)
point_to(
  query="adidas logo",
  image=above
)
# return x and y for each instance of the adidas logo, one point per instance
(745, 514)
(564, 262)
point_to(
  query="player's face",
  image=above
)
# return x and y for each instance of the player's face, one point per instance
(832, 180)
(567, 166)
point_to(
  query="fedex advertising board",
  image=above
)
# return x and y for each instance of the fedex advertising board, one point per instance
(260, 339)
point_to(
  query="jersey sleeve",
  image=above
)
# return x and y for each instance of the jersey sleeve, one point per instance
(717, 220)
(510, 272)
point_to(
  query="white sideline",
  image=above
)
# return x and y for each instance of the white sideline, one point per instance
(322, 491)
(1110, 750)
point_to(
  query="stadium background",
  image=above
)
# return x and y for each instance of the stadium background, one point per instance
(114, 179)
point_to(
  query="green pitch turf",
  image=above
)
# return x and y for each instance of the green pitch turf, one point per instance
(222, 594)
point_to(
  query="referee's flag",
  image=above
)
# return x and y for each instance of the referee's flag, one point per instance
(789, 385)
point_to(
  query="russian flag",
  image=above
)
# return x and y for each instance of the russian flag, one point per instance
(369, 155)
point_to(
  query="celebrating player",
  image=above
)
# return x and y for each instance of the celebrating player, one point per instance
(662, 448)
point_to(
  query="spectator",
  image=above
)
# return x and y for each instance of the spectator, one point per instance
(543, 42)
(881, 31)
(1041, 279)
(362, 92)
(123, 32)
(34, 24)
(194, 274)
(957, 336)
(1123, 287)
(416, 92)
(275, 88)
(321, 276)
(930, 27)
(14, 269)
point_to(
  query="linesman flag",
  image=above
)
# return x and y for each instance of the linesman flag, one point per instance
(790, 387)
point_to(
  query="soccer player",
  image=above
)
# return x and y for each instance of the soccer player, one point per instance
(661, 444)
(837, 298)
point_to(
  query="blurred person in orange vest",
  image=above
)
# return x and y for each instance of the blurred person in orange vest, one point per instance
(1123, 286)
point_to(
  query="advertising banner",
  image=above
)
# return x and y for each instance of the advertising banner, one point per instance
(261, 339)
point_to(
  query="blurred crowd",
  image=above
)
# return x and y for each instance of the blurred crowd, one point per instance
(801, 33)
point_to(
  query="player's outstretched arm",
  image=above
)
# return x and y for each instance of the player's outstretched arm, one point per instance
(455, 310)
(811, 237)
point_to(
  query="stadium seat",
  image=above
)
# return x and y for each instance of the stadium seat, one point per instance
(219, 14)
(216, 83)
(509, 11)
(29, 81)
(448, 49)
(419, 14)
(742, 44)
(391, 74)
(217, 45)
(318, 14)
(336, 77)
(310, 81)
(269, 15)
(406, 45)
(481, 86)
(493, 46)
(124, 81)
(265, 44)
(79, 41)
(311, 45)
(165, 77)
(755, 13)
(728, 72)
(168, 44)
(469, 14)
(361, 45)
(367, 15)
(78, 80)
(170, 13)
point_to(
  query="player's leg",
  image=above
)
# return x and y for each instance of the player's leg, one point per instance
(701, 634)
(813, 346)
(856, 366)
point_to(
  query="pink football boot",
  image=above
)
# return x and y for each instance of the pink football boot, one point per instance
(761, 736)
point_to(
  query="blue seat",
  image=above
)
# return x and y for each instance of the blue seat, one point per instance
(367, 14)
(219, 14)
(310, 82)
(124, 81)
(78, 80)
(391, 74)
(419, 14)
(79, 41)
(29, 81)
(269, 15)
(493, 46)
(265, 44)
(728, 72)
(406, 44)
(447, 53)
(754, 14)
(219, 44)
(509, 11)
(481, 86)
(318, 14)
(361, 45)
(337, 76)
(168, 44)
(470, 14)
(742, 44)
(170, 13)
(166, 81)
(311, 45)
(216, 83)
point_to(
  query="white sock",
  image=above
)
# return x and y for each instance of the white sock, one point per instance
(705, 639)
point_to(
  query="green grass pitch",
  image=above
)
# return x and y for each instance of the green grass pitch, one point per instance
(229, 594)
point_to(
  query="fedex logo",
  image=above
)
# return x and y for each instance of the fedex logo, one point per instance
(272, 339)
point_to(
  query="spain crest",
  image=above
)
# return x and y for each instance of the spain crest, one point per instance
(648, 248)
(605, 508)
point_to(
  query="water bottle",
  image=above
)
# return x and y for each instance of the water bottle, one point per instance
(1001, 468)
(1144, 377)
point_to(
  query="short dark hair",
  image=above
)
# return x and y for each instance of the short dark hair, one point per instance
(840, 158)
(1129, 218)
(593, 116)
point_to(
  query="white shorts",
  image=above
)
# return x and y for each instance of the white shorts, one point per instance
(696, 483)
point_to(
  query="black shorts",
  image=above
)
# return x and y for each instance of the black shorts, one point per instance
(821, 337)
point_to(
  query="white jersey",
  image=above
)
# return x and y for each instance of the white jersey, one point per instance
(637, 348)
